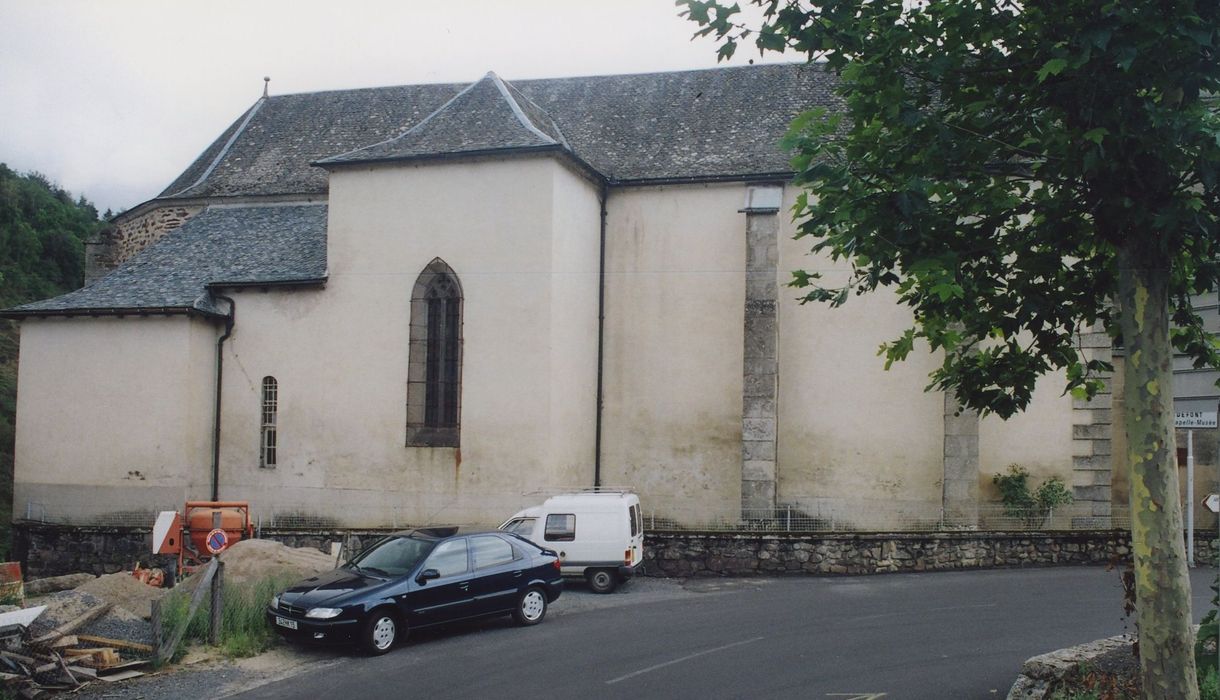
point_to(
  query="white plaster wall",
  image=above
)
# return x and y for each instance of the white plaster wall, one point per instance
(340, 354)
(1039, 439)
(675, 299)
(113, 415)
(855, 441)
(575, 249)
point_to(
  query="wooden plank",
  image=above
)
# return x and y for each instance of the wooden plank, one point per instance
(121, 676)
(123, 666)
(82, 672)
(68, 641)
(167, 649)
(68, 671)
(116, 643)
(72, 625)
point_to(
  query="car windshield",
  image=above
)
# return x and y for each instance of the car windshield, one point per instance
(393, 556)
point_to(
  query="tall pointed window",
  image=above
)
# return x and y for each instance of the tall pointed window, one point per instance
(267, 435)
(434, 375)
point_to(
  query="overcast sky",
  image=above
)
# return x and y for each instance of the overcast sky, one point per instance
(114, 99)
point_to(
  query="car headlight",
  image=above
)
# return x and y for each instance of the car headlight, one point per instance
(275, 602)
(323, 613)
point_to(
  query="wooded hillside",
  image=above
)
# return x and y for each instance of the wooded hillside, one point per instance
(42, 254)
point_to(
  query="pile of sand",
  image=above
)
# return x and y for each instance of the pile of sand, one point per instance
(251, 560)
(124, 591)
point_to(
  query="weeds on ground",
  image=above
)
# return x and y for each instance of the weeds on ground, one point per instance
(243, 629)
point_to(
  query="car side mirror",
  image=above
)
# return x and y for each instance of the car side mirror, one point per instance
(427, 575)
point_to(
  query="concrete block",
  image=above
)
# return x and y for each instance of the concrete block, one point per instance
(1091, 493)
(1100, 401)
(1097, 478)
(1096, 340)
(758, 407)
(757, 495)
(1092, 463)
(758, 470)
(758, 385)
(758, 450)
(966, 446)
(758, 429)
(1092, 431)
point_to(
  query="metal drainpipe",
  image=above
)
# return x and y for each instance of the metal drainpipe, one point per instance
(230, 319)
(601, 326)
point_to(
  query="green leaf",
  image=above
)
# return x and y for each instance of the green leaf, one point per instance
(1054, 66)
(1096, 135)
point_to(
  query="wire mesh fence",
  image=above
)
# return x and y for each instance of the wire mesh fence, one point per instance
(673, 513)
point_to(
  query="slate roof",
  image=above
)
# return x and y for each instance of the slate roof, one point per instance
(487, 116)
(688, 125)
(269, 244)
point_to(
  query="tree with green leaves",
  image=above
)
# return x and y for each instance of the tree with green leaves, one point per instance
(42, 254)
(1018, 172)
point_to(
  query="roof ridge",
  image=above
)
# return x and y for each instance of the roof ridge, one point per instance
(224, 151)
(492, 88)
(511, 93)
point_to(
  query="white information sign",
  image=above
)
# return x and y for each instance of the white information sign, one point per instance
(1194, 419)
(1212, 502)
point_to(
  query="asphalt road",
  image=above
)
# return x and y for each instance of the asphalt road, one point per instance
(937, 636)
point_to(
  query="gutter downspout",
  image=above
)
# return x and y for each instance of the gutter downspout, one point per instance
(230, 319)
(601, 328)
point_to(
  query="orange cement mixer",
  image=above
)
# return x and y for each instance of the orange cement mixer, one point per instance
(203, 530)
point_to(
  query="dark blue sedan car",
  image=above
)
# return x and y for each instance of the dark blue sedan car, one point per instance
(418, 579)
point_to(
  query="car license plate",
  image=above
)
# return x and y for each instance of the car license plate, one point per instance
(285, 622)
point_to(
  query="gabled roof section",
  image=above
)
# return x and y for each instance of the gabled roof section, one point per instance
(230, 246)
(718, 123)
(489, 116)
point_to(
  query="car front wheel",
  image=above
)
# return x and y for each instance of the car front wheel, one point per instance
(379, 633)
(602, 580)
(531, 607)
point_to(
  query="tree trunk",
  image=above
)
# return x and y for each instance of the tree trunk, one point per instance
(1162, 585)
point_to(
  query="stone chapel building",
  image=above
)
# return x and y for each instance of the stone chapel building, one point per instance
(418, 303)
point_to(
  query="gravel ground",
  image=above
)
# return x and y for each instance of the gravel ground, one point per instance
(211, 677)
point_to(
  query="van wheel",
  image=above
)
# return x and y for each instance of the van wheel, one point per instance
(601, 580)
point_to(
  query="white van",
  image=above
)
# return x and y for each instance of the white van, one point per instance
(599, 534)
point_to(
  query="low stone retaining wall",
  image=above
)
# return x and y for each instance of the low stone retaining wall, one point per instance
(684, 554)
(51, 550)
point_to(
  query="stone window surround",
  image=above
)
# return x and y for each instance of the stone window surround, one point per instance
(419, 432)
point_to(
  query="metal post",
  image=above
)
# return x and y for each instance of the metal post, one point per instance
(1190, 497)
(155, 620)
(217, 604)
(788, 518)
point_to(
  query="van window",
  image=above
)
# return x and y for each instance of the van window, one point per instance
(520, 526)
(560, 527)
(633, 514)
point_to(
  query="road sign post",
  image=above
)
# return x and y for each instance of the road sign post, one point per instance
(1190, 418)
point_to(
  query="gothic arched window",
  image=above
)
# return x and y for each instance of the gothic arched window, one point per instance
(434, 370)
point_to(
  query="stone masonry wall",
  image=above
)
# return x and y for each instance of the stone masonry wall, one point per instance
(752, 554)
(51, 550)
(117, 244)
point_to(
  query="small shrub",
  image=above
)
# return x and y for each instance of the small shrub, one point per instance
(243, 628)
(1031, 507)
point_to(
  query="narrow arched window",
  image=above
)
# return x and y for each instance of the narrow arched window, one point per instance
(434, 375)
(267, 433)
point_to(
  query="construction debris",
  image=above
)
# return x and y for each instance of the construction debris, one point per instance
(74, 637)
(43, 586)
